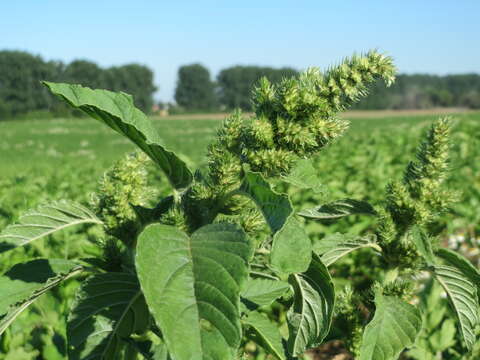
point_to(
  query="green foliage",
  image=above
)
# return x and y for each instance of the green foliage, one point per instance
(21, 90)
(338, 209)
(212, 258)
(291, 239)
(195, 90)
(235, 83)
(24, 283)
(263, 292)
(265, 333)
(108, 308)
(394, 327)
(111, 109)
(197, 282)
(310, 316)
(45, 220)
(463, 296)
(335, 246)
(134, 79)
(438, 332)
(421, 91)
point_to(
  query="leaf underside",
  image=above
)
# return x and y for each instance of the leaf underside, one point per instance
(45, 220)
(108, 308)
(196, 281)
(310, 317)
(464, 265)
(333, 247)
(26, 282)
(338, 209)
(463, 297)
(118, 111)
(393, 328)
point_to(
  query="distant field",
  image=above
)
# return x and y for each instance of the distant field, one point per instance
(41, 145)
(45, 160)
(349, 114)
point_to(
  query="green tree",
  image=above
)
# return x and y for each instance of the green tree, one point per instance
(235, 83)
(133, 79)
(20, 87)
(86, 73)
(195, 90)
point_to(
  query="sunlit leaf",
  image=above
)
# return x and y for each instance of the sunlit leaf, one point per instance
(394, 327)
(338, 209)
(118, 111)
(310, 317)
(291, 249)
(196, 281)
(334, 246)
(45, 220)
(304, 176)
(462, 293)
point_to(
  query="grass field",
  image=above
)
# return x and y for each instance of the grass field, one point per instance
(44, 145)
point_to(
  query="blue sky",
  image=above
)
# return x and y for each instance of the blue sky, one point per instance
(428, 36)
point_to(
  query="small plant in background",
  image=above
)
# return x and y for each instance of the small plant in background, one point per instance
(210, 271)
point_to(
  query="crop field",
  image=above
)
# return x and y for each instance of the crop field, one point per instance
(46, 160)
(53, 159)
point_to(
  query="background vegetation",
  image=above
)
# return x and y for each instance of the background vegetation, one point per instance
(21, 91)
(22, 95)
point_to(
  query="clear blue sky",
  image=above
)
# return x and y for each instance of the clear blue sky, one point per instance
(428, 36)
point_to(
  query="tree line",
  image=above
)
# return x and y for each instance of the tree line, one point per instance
(422, 91)
(21, 90)
(197, 91)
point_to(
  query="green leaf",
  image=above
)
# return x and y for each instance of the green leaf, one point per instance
(196, 281)
(444, 337)
(263, 292)
(461, 263)
(334, 246)
(310, 317)
(264, 333)
(394, 327)
(26, 282)
(108, 307)
(291, 239)
(118, 111)
(43, 221)
(304, 176)
(160, 352)
(150, 350)
(276, 208)
(150, 215)
(338, 209)
(462, 293)
(422, 243)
